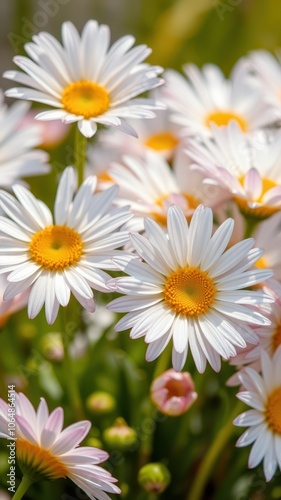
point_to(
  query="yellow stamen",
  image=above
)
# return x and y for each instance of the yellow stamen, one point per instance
(87, 99)
(189, 203)
(276, 339)
(222, 118)
(36, 462)
(162, 141)
(190, 291)
(56, 247)
(273, 411)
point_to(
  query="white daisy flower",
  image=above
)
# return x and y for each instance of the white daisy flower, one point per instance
(159, 136)
(269, 337)
(263, 394)
(202, 98)
(9, 307)
(46, 452)
(268, 69)
(248, 167)
(188, 290)
(61, 257)
(85, 80)
(18, 159)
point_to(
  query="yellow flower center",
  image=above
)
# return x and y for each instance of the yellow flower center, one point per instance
(222, 118)
(190, 291)
(56, 247)
(276, 338)
(261, 263)
(186, 202)
(260, 212)
(162, 141)
(38, 463)
(85, 99)
(273, 411)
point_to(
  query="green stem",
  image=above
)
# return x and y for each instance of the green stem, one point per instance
(80, 154)
(69, 375)
(250, 226)
(25, 484)
(212, 456)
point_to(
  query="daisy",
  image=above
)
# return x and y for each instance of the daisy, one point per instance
(188, 289)
(46, 452)
(18, 159)
(150, 187)
(9, 307)
(268, 70)
(263, 394)
(84, 80)
(202, 98)
(269, 337)
(248, 168)
(159, 136)
(64, 256)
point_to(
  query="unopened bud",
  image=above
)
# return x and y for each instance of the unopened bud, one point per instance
(154, 477)
(101, 403)
(120, 435)
(52, 347)
(173, 392)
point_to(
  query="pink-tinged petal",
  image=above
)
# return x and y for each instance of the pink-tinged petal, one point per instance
(42, 416)
(71, 437)
(89, 453)
(26, 409)
(52, 428)
(253, 184)
(272, 196)
(25, 430)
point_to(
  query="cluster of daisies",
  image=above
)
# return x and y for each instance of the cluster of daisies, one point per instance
(184, 206)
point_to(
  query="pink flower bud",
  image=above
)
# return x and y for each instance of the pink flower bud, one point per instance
(173, 392)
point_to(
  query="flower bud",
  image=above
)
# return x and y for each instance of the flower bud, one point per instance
(52, 347)
(120, 435)
(154, 477)
(173, 392)
(101, 403)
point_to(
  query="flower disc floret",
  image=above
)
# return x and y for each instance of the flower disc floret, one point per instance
(56, 247)
(86, 99)
(273, 411)
(189, 291)
(39, 463)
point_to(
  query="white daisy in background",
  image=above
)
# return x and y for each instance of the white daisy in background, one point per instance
(248, 168)
(202, 98)
(61, 257)
(46, 452)
(268, 70)
(269, 337)
(188, 290)
(159, 136)
(9, 307)
(150, 187)
(18, 159)
(263, 394)
(84, 80)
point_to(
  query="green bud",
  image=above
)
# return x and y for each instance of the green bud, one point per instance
(154, 477)
(101, 403)
(52, 347)
(120, 436)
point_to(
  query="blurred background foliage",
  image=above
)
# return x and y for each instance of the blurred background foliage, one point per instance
(182, 31)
